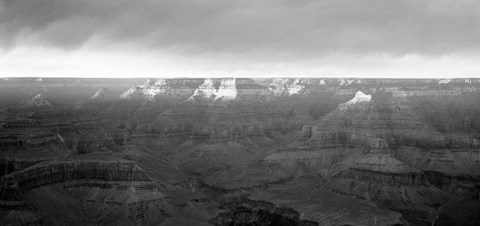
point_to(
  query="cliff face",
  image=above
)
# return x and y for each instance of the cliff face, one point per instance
(83, 191)
(163, 88)
(229, 89)
(197, 90)
(206, 90)
(52, 172)
(287, 87)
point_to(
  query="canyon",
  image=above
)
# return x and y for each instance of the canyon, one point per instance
(239, 151)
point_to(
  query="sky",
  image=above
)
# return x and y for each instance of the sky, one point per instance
(243, 38)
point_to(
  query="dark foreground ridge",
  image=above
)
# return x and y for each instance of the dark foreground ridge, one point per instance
(239, 151)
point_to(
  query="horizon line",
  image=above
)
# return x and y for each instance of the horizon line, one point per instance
(252, 77)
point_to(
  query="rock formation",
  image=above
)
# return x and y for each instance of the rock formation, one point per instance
(286, 86)
(39, 100)
(159, 89)
(102, 95)
(297, 151)
(229, 89)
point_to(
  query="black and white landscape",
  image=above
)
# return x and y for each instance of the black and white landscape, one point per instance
(240, 112)
(239, 151)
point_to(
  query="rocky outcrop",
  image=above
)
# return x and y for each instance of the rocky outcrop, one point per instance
(170, 89)
(256, 212)
(286, 86)
(205, 91)
(102, 95)
(59, 171)
(148, 91)
(102, 187)
(353, 123)
(229, 89)
(40, 100)
(356, 102)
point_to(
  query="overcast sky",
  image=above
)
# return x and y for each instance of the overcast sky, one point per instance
(211, 38)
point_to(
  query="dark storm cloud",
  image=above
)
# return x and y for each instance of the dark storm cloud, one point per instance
(286, 27)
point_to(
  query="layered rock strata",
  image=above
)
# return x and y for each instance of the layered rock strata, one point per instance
(57, 171)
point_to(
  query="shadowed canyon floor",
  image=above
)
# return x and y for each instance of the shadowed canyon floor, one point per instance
(239, 151)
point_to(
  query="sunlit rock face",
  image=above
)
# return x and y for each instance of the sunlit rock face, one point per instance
(286, 86)
(103, 94)
(354, 123)
(205, 91)
(347, 82)
(356, 102)
(39, 100)
(148, 91)
(173, 89)
(228, 90)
